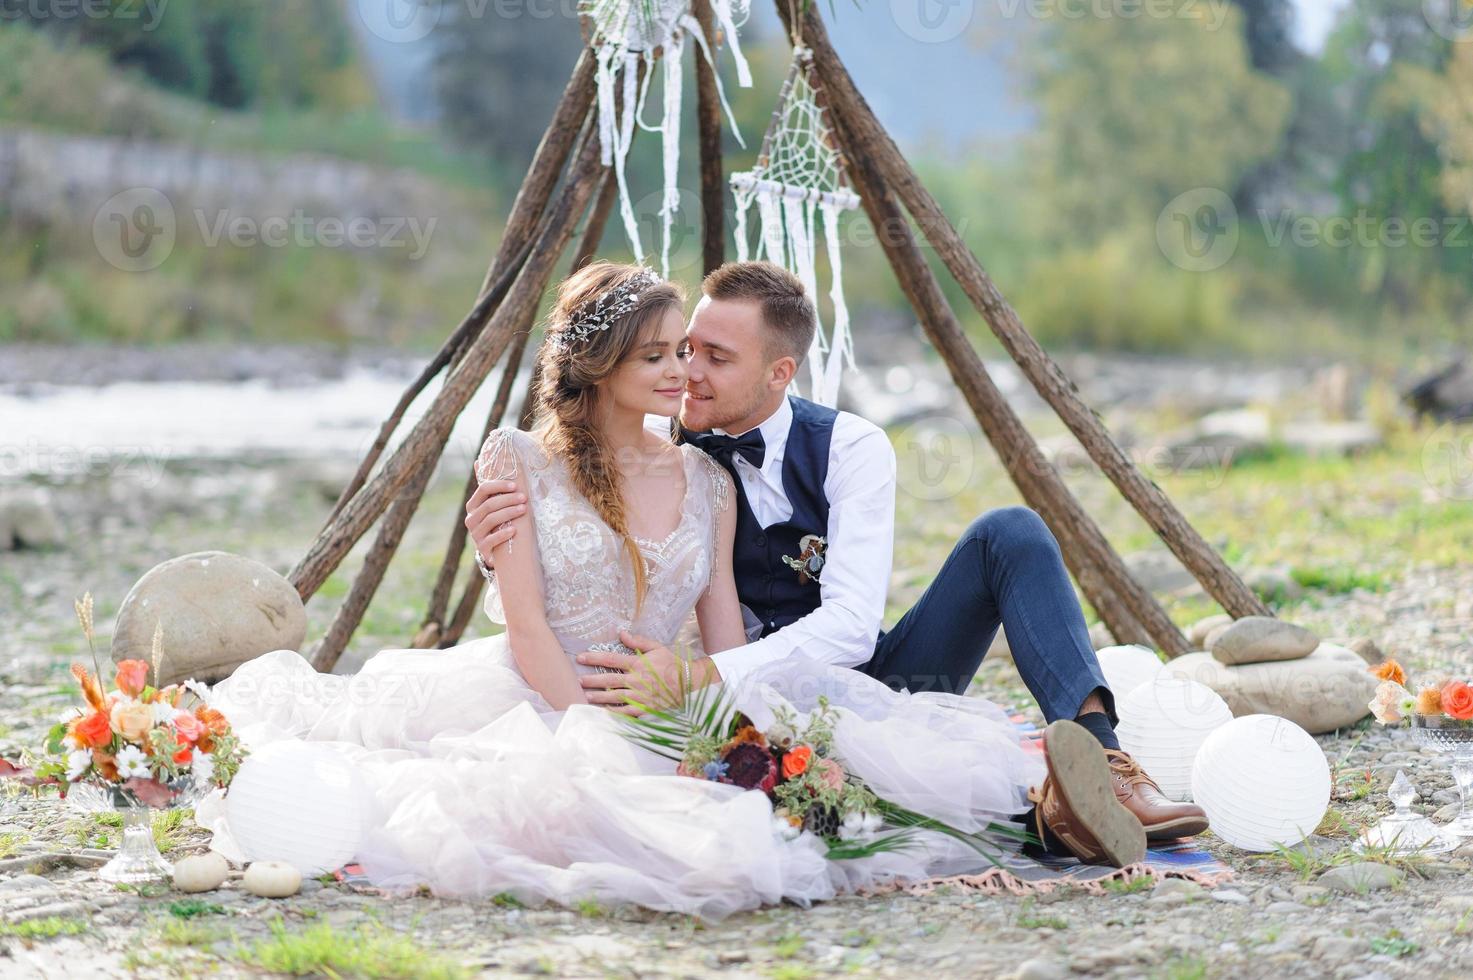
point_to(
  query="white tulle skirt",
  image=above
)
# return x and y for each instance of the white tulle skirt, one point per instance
(478, 787)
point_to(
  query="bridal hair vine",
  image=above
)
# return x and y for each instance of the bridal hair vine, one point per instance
(609, 307)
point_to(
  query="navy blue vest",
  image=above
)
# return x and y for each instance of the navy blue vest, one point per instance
(766, 585)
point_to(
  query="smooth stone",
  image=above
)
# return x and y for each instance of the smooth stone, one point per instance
(28, 883)
(1199, 631)
(1041, 969)
(1285, 908)
(1366, 648)
(1362, 876)
(1215, 632)
(1261, 639)
(200, 872)
(272, 879)
(1321, 438)
(1311, 894)
(28, 520)
(1173, 887)
(1319, 693)
(1229, 896)
(218, 610)
(1158, 570)
(1337, 948)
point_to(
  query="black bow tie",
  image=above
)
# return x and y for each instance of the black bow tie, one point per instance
(723, 449)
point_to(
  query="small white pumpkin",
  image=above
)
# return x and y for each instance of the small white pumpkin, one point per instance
(200, 872)
(272, 879)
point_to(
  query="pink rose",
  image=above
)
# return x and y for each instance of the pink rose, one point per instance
(188, 726)
(831, 773)
(1387, 704)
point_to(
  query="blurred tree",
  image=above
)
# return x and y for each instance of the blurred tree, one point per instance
(1267, 25)
(498, 75)
(1134, 111)
(234, 53)
(1445, 107)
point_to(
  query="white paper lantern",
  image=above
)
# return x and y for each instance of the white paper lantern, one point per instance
(1164, 722)
(1262, 781)
(299, 803)
(1128, 667)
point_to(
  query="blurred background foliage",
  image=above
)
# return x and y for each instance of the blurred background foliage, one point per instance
(1123, 114)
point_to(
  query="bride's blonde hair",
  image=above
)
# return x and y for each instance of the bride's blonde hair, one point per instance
(574, 362)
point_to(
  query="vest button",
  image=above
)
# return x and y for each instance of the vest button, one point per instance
(762, 539)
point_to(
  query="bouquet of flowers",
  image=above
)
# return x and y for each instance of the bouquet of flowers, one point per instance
(1446, 703)
(795, 764)
(142, 743)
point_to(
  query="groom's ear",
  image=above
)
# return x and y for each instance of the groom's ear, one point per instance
(782, 371)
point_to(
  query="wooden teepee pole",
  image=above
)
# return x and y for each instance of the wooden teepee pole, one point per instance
(871, 139)
(1131, 613)
(708, 117)
(426, 441)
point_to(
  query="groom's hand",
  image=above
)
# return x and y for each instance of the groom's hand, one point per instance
(652, 677)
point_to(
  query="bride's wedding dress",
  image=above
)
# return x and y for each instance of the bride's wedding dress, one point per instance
(478, 787)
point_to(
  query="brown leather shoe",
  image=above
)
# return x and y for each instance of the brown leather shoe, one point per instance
(1163, 817)
(1077, 800)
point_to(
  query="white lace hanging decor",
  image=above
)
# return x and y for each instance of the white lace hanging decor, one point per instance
(626, 34)
(799, 176)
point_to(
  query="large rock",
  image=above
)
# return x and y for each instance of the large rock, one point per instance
(1158, 570)
(1260, 639)
(1326, 690)
(218, 610)
(28, 520)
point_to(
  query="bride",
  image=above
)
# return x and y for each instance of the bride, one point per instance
(488, 770)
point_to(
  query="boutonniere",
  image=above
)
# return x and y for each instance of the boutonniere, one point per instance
(810, 560)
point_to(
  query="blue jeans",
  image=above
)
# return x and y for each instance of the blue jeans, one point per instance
(1006, 570)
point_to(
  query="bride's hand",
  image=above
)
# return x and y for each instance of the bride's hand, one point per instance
(489, 513)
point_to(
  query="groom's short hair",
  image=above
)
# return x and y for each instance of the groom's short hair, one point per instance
(788, 317)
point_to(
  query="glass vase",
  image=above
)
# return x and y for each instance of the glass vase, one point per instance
(138, 859)
(1456, 742)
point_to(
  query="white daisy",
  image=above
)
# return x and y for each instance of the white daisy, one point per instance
(163, 713)
(203, 767)
(77, 763)
(132, 761)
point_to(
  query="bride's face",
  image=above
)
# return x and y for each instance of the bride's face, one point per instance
(651, 379)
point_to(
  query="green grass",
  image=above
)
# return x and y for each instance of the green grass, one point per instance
(1117, 886)
(191, 908)
(45, 928)
(193, 933)
(1027, 919)
(368, 952)
(1393, 944)
(10, 844)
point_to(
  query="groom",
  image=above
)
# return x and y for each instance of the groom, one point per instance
(814, 542)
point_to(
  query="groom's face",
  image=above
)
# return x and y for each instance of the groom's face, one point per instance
(730, 376)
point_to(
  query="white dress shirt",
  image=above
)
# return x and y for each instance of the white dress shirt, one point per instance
(860, 487)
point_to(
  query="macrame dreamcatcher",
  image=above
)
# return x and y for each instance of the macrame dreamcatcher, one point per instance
(626, 33)
(800, 175)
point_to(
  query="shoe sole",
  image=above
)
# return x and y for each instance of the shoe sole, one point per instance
(1082, 774)
(1176, 829)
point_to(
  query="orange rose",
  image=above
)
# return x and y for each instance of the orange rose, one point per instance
(1429, 701)
(106, 765)
(132, 677)
(1457, 700)
(93, 731)
(1390, 670)
(186, 751)
(795, 762)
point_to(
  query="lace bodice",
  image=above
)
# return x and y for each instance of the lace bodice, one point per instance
(586, 580)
